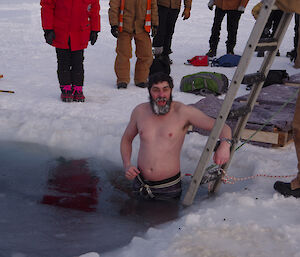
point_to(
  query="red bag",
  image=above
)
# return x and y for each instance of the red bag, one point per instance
(199, 60)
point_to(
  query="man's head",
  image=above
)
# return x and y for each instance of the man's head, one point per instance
(160, 91)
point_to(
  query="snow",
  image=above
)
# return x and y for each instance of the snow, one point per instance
(245, 219)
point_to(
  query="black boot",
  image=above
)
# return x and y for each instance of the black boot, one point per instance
(211, 53)
(285, 189)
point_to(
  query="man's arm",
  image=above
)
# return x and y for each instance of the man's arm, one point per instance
(199, 119)
(126, 146)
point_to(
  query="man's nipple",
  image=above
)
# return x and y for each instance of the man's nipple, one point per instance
(170, 134)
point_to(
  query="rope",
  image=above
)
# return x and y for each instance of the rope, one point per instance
(231, 179)
(248, 139)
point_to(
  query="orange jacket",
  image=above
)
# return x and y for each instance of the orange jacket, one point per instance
(231, 4)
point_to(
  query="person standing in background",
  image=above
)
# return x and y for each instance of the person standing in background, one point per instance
(69, 26)
(133, 19)
(233, 9)
(168, 11)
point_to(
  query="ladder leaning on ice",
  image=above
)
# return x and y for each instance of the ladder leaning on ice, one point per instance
(257, 79)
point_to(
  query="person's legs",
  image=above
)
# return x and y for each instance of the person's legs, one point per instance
(163, 13)
(77, 71)
(233, 18)
(64, 73)
(77, 74)
(297, 61)
(296, 133)
(64, 66)
(124, 53)
(215, 31)
(144, 57)
(171, 21)
(293, 188)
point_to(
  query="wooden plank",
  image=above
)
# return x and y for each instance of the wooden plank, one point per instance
(261, 136)
(292, 84)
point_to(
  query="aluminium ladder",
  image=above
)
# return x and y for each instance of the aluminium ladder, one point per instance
(270, 45)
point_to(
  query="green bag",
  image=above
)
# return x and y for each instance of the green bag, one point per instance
(204, 83)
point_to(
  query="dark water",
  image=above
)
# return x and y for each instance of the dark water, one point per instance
(51, 206)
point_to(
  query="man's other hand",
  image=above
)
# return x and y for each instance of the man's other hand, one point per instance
(131, 172)
(222, 153)
(186, 13)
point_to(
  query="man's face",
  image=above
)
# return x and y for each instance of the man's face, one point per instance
(161, 98)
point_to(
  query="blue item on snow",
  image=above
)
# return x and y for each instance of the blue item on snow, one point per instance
(227, 60)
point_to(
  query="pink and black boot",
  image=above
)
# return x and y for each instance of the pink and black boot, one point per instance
(66, 93)
(78, 94)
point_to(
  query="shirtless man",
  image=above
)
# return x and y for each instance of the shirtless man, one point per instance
(162, 125)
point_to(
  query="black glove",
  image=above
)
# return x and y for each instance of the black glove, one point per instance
(114, 31)
(49, 36)
(154, 31)
(93, 37)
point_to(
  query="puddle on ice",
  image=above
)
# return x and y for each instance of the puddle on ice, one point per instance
(52, 206)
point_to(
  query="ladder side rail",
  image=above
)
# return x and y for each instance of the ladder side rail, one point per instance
(228, 101)
(265, 67)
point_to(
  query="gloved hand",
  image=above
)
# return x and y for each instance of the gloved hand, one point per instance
(49, 36)
(186, 13)
(114, 31)
(241, 9)
(210, 4)
(154, 31)
(93, 37)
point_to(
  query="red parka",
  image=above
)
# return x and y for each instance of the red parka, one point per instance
(71, 20)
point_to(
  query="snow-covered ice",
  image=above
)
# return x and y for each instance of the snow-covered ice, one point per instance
(245, 219)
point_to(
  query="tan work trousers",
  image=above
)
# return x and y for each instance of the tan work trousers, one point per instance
(143, 53)
(296, 130)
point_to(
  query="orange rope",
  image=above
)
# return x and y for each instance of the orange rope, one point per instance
(231, 179)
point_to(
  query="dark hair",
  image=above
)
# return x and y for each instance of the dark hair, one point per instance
(160, 77)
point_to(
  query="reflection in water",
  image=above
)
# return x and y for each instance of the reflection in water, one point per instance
(72, 185)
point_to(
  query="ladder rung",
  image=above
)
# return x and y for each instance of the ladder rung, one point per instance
(266, 44)
(239, 112)
(252, 78)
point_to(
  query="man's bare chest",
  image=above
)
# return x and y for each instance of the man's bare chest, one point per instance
(161, 128)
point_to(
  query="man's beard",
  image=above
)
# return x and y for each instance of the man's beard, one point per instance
(160, 110)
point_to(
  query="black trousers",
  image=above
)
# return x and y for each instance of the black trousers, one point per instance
(70, 67)
(233, 18)
(296, 38)
(167, 20)
(272, 24)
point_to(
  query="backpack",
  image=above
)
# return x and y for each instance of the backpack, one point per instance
(274, 77)
(227, 60)
(199, 60)
(204, 83)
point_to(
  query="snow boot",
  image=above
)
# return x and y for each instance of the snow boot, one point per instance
(122, 85)
(285, 189)
(78, 94)
(211, 53)
(142, 84)
(66, 93)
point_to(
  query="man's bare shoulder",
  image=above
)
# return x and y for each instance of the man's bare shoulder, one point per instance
(178, 106)
(140, 108)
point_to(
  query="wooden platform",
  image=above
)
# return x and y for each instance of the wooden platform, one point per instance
(276, 138)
